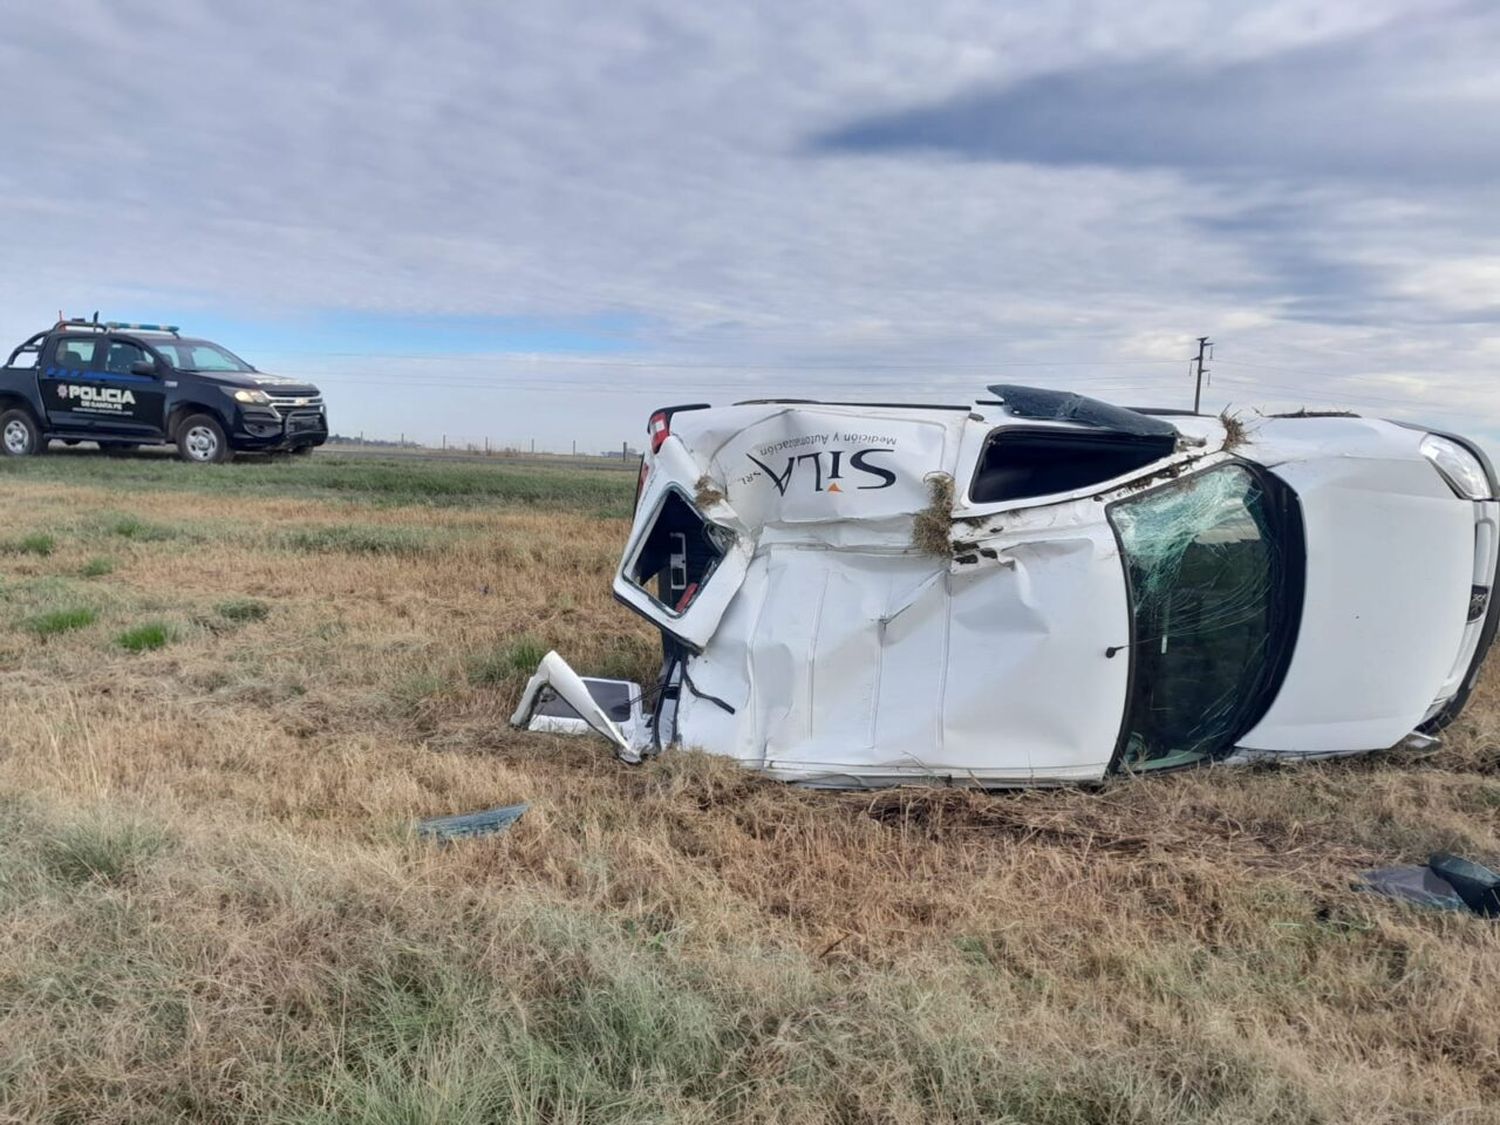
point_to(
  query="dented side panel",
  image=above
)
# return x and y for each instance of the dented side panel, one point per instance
(853, 668)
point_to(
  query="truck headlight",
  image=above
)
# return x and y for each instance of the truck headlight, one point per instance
(1460, 468)
(259, 398)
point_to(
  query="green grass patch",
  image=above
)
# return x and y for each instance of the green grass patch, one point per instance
(97, 567)
(37, 543)
(632, 658)
(242, 610)
(353, 539)
(59, 621)
(138, 530)
(517, 657)
(144, 638)
(101, 851)
(397, 480)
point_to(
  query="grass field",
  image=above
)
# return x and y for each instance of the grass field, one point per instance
(225, 693)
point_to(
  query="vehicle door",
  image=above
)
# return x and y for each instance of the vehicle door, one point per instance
(133, 377)
(71, 380)
(680, 569)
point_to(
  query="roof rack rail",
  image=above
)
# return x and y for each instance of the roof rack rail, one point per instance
(78, 322)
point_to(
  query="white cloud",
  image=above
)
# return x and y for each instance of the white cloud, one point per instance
(648, 159)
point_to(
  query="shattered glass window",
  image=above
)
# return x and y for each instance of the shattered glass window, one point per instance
(678, 555)
(1206, 571)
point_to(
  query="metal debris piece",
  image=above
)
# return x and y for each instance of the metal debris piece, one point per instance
(469, 825)
(1447, 882)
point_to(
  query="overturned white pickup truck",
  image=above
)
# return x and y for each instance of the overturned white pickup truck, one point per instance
(1041, 588)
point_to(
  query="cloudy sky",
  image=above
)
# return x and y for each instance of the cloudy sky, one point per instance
(539, 220)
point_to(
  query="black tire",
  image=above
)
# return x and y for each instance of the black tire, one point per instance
(20, 436)
(201, 441)
(119, 448)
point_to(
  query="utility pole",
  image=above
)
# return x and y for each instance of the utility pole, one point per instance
(1204, 346)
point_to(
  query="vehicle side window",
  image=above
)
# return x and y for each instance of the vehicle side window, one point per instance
(1025, 462)
(678, 555)
(207, 359)
(1215, 600)
(122, 354)
(75, 355)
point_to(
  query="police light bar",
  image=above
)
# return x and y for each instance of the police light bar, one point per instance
(116, 324)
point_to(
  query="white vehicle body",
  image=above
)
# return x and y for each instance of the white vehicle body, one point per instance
(1037, 588)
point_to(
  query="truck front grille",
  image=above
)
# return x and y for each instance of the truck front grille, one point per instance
(286, 405)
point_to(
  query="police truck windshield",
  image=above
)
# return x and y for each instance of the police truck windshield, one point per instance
(199, 355)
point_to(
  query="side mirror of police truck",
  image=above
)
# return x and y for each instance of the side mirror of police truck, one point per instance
(143, 367)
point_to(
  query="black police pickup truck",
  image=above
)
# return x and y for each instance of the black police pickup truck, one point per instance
(124, 385)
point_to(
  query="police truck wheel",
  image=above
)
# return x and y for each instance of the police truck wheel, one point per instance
(201, 441)
(19, 435)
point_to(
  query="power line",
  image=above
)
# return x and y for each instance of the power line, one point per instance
(709, 365)
(1352, 398)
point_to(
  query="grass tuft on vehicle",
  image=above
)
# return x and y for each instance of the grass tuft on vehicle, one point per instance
(932, 527)
(59, 621)
(144, 638)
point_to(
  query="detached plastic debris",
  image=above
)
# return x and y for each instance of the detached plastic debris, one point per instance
(465, 826)
(1448, 882)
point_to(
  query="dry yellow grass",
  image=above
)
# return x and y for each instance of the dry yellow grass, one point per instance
(213, 908)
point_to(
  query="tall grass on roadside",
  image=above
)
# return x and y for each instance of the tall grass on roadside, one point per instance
(215, 908)
(602, 491)
(354, 540)
(145, 637)
(57, 621)
(512, 659)
(37, 543)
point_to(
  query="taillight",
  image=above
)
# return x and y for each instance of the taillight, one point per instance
(660, 429)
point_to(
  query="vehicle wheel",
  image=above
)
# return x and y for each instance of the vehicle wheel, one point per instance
(201, 440)
(19, 435)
